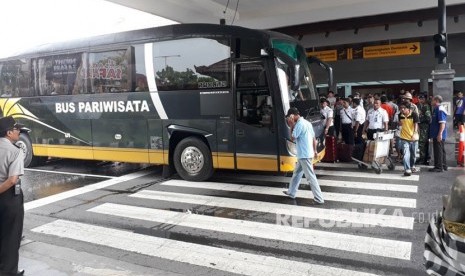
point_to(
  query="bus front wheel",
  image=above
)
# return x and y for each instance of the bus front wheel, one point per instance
(193, 160)
(25, 144)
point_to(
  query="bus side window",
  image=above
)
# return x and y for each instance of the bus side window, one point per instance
(109, 71)
(141, 82)
(57, 75)
(15, 79)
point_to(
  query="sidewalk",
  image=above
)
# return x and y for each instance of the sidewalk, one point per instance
(42, 259)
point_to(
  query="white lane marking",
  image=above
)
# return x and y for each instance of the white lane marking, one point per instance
(190, 253)
(351, 198)
(352, 243)
(370, 175)
(75, 192)
(349, 166)
(149, 68)
(369, 186)
(354, 166)
(323, 215)
(71, 173)
(331, 183)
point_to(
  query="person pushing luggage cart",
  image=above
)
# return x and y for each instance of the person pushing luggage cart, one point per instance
(377, 147)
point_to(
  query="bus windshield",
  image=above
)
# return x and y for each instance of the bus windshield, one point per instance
(306, 90)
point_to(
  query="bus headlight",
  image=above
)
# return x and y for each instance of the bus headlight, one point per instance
(291, 148)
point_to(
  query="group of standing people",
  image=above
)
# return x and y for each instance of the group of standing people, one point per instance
(353, 118)
(415, 120)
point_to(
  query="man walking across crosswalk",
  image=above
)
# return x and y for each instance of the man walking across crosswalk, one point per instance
(303, 135)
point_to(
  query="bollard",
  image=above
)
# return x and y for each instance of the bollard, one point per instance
(460, 155)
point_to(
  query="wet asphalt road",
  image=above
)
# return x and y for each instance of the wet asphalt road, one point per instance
(249, 191)
(60, 175)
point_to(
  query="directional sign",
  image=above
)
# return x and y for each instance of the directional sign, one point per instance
(328, 55)
(392, 50)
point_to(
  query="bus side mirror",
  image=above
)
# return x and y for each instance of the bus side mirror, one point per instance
(264, 52)
(295, 79)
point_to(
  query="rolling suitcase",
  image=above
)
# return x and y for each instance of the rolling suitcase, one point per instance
(330, 149)
(344, 152)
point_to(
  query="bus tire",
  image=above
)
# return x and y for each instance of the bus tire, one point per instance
(25, 144)
(193, 160)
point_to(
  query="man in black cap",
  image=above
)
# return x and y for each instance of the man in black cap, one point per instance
(304, 136)
(11, 196)
(425, 120)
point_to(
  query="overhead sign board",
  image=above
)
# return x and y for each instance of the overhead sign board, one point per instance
(328, 55)
(392, 50)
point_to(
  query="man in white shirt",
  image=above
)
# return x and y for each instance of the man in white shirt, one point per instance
(359, 120)
(327, 114)
(331, 99)
(377, 120)
(357, 96)
(347, 118)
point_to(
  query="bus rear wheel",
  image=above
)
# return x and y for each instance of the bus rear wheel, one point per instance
(193, 160)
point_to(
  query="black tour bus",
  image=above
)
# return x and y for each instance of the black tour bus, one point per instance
(195, 97)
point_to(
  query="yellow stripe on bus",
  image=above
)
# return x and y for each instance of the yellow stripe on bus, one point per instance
(100, 153)
(221, 160)
(64, 151)
(257, 162)
(157, 157)
(122, 154)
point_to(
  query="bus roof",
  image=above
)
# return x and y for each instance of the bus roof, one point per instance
(143, 35)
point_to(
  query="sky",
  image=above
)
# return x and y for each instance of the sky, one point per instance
(26, 23)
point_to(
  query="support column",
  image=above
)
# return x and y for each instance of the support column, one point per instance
(348, 90)
(443, 85)
(424, 85)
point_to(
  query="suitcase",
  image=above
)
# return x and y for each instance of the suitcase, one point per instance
(344, 152)
(358, 152)
(369, 154)
(330, 149)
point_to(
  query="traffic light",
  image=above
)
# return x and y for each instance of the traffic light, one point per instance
(440, 46)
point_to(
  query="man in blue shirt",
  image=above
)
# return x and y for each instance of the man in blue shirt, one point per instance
(438, 133)
(302, 133)
(459, 109)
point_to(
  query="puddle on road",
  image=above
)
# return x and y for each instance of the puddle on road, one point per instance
(36, 187)
(61, 175)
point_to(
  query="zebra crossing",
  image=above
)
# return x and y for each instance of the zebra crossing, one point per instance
(243, 224)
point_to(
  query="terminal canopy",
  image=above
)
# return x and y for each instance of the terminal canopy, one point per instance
(269, 14)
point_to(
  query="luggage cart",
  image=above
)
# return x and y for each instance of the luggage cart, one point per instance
(382, 142)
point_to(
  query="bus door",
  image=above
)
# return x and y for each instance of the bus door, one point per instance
(255, 133)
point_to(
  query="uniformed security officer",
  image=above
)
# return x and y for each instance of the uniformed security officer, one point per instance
(425, 120)
(11, 196)
(347, 120)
